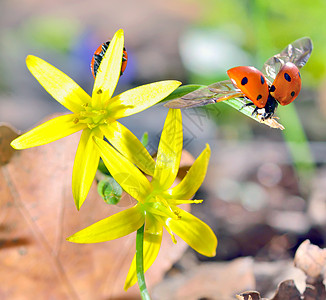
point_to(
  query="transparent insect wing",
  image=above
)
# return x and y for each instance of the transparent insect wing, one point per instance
(196, 98)
(225, 90)
(213, 93)
(297, 52)
(223, 87)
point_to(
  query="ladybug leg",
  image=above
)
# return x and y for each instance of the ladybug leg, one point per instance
(245, 105)
(267, 115)
(255, 112)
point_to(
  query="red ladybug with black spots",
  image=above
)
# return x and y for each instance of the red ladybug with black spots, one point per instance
(98, 56)
(278, 83)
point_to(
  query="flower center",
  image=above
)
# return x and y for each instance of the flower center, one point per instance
(160, 206)
(91, 116)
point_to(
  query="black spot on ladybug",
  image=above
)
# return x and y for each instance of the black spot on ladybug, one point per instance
(259, 97)
(287, 77)
(272, 89)
(299, 74)
(244, 81)
(262, 80)
(292, 93)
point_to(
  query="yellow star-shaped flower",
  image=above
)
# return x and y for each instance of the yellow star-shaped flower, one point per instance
(96, 115)
(157, 205)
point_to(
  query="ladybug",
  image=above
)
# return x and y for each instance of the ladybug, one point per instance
(279, 82)
(284, 89)
(98, 56)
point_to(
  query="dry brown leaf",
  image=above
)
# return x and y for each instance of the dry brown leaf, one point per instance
(250, 295)
(315, 290)
(7, 134)
(287, 291)
(271, 122)
(310, 259)
(37, 214)
(209, 281)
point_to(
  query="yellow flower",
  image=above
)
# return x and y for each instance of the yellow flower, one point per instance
(157, 205)
(96, 116)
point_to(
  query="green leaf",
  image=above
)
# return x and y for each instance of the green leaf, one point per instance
(183, 90)
(109, 190)
(144, 139)
(236, 103)
(102, 168)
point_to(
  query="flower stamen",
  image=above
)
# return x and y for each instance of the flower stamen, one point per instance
(178, 202)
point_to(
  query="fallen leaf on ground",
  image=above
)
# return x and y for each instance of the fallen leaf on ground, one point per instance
(209, 281)
(7, 134)
(252, 295)
(311, 259)
(37, 213)
(287, 291)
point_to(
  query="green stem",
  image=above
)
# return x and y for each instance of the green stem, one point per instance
(140, 264)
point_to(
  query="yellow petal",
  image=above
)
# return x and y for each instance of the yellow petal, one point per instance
(61, 87)
(140, 98)
(197, 234)
(108, 72)
(113, 227)
(127, 144)
(169, 151)
(85, 166)
(124, 172)
(152, 244)
(48, 132)
(194, 178)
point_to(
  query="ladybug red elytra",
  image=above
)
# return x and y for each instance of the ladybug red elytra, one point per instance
(98, 56)
(287, 84)
(252, 83)
(278, 83)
